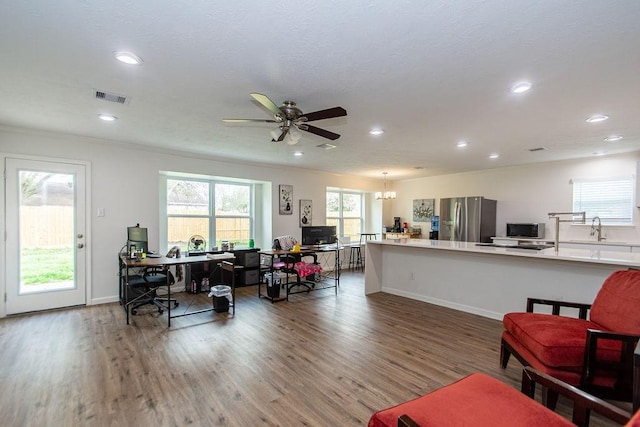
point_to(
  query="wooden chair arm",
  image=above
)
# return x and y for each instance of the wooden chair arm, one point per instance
(406, 421)
(624, 366)
(636, 378)
(582, 402)
(583, 308)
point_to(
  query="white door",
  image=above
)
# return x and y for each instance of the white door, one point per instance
(45, 245)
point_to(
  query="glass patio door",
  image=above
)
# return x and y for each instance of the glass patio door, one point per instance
(45, 246)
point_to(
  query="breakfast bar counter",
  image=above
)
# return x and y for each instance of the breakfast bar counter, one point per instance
(486, 280)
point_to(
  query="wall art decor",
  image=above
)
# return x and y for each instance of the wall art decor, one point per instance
(423, 209)
(286, 199)
(306, 209)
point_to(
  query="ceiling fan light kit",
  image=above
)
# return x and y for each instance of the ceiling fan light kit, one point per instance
(292, 120)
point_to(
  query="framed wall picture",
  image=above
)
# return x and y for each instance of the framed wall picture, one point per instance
(286, 199)
(306, 210)
(423, 209)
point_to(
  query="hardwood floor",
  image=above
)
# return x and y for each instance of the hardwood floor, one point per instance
(317, 360)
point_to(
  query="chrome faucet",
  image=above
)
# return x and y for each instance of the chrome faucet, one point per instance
(556, 216)
(597, 231)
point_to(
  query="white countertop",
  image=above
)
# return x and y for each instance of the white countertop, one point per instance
(593, 256)
(601, 243)
(581, 242)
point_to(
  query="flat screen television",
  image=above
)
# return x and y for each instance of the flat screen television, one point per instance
(318, 235)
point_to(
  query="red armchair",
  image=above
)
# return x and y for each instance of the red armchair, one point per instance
(595, 355)
(480, 400)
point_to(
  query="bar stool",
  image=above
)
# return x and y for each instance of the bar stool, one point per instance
(356, 257)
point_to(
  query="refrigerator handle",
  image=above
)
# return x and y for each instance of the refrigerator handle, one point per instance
(456, 222)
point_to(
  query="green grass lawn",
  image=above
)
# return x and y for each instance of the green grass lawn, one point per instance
(44, 265)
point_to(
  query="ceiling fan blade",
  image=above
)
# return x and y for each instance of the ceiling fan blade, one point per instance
(320, 132)
(325, 114)
(282, 135)
(247, 120)
(267, 103)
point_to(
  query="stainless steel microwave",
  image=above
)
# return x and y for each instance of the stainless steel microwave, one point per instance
(531, 230)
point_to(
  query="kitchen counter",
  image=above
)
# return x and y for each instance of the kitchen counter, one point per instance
(576, 244)
(485, 280)
(398, 235)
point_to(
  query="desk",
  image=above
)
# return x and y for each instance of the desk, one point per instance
(326, 256)
(226, 260)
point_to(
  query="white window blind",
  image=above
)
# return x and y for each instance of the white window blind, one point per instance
(611, 199)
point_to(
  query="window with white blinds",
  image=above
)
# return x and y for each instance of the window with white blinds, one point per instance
(611, 199)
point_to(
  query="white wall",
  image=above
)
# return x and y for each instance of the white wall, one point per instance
(524, 194)
(125, 182)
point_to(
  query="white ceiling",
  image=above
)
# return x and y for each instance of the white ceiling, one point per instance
(430, 73)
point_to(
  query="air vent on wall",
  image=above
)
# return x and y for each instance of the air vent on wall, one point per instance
(112, 97)
(537, 149)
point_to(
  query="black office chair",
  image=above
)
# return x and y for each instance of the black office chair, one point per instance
(146, 286)
(288, 268)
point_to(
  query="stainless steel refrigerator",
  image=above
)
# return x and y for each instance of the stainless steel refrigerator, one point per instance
(467, 219)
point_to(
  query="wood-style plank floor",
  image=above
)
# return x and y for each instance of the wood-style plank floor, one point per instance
(317, 360)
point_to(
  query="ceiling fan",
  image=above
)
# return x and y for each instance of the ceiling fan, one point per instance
(292, 119)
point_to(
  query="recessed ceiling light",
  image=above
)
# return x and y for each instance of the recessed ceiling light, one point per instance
(376, 131)
(462, 144)
(107, 117)
(128, 58)
(494, 156)
(520, 87)
(597, 118)
(298, 153)
(613, 138)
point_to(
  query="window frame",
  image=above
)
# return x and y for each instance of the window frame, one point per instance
(340, 217)
(212, 216)
(590, 197)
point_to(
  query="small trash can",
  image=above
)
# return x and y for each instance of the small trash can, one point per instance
(221, 295)
(273, 281)
(220, 304)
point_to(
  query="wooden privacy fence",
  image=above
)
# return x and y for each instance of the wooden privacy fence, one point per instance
(52, 226)
(46, 226)
(231, 229)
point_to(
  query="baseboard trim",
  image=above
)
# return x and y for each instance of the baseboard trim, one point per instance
(445, 303)
(104, 300)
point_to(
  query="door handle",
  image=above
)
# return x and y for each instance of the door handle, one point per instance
(80, 236)
(80, 245)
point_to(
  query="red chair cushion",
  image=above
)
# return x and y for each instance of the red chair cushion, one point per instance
(568, 376)
(616, 305)
(474, 400)
(634, 421)
(557, 341)
(305, 269)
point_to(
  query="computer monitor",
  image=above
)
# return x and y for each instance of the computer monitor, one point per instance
(319, 235)
(137, 236)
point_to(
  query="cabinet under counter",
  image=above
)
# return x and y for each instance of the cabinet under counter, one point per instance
(392, 235)
(485, 280)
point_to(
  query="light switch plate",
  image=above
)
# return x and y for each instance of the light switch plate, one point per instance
(100, 211)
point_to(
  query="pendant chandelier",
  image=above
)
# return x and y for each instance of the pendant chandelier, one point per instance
(385, 195)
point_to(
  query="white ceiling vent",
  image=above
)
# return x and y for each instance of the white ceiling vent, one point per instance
(112, 97)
